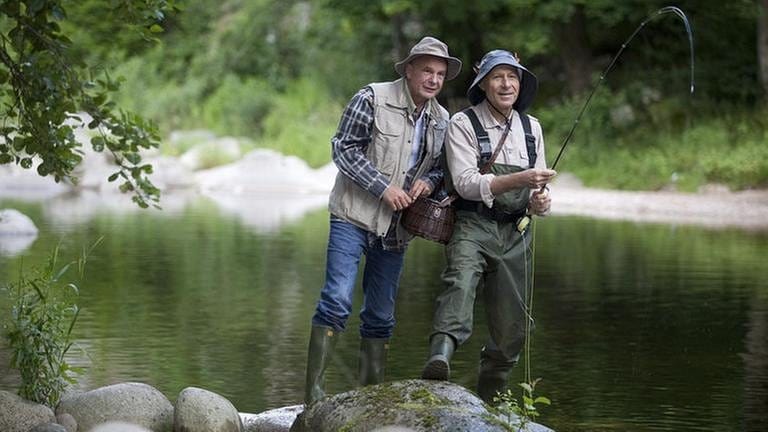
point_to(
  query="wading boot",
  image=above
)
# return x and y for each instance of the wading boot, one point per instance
(321, 344)
(494, 374)
(438, 366)
(373, 357)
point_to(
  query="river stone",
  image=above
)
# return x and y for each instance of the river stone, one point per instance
(19, 415)
(275, 420)
(200, 410)
(118, 426)
(135, 403)
(48, 427)
(413, 405)
(393, 429)
(14, 222)
(67, 421)
(17, 232)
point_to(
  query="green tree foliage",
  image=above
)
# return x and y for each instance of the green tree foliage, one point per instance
(235, 66)
(48, 90)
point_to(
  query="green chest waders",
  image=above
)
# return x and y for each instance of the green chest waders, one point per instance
(488, 250)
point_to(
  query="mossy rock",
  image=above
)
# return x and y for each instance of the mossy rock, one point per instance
(413, 405)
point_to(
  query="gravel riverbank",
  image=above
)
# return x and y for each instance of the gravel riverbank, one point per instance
(714, 206)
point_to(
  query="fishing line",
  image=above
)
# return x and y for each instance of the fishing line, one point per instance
(529, 304)
(663, 11)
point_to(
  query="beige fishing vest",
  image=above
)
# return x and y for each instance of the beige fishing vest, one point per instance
(389, 151)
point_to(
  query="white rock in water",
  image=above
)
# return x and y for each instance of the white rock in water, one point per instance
(17, 232)
(16, 223)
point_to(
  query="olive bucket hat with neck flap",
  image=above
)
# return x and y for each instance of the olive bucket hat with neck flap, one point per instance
(528, 81)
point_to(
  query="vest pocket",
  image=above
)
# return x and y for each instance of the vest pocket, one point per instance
(437, 135)
(388, 139)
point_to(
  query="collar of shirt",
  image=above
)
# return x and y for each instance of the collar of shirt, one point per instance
(488, 119)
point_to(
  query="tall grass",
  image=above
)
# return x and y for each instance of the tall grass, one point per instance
(39, 329)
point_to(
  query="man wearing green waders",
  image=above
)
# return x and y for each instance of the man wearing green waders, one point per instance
(495, 157)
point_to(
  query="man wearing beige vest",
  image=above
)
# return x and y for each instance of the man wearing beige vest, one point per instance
(387, 149)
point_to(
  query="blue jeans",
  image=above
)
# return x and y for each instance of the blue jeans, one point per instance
(346, 244)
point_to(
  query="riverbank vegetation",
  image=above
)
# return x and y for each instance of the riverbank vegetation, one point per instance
(278, 73)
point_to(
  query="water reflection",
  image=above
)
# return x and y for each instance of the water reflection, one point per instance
(755, 360)
(639, 327)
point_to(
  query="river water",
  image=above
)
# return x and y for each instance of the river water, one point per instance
(640, 327)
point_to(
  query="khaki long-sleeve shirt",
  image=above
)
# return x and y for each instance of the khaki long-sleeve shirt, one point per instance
(463, 152)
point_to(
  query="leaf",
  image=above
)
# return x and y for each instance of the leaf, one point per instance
(58, 13)
(71, 326)
(543, 400)
(34, 6)
(62, 271)
(38, 290)
(133, 158)
(98, 143)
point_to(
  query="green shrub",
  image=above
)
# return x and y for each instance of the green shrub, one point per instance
(237, 107)
(172, 105)
(40, 328)
(302, 122)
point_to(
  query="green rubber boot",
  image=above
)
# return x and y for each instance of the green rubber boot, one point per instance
(494, 374)
(321, 344)
(438, 366)
(373, 358)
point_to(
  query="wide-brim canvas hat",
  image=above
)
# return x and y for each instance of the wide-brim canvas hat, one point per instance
(528, 81)
(433, 47)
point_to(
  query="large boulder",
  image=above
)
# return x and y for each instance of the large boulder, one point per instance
(135, 403)
(211, 153)
(200, 410)
(118, 426)
(48, 427)
(67, 421)
(27, 185)
(265, 171)
(275, 420)
(412, 405)
(169, 175)
(19, 415)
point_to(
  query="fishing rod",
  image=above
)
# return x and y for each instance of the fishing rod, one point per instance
(665, 10)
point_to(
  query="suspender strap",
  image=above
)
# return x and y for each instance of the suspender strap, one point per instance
(485, 146)
(482, 136)
(530, 140)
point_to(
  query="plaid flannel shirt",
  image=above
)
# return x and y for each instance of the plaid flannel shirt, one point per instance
(349, 147)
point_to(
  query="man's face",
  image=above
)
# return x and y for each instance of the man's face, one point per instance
(425, 76)
(501, 87)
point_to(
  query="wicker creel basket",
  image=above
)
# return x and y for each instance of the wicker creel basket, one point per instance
(430, 219)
